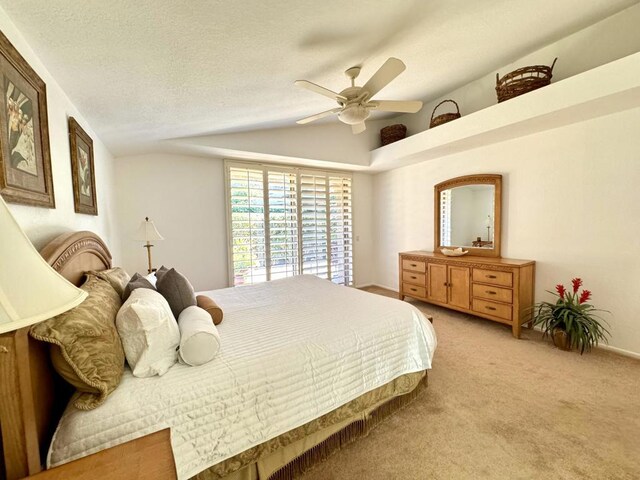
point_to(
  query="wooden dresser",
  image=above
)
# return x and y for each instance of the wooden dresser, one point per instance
(498, 289)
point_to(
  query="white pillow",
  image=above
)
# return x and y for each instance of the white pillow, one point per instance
(149, 333)
(152, 278)
(199, 339)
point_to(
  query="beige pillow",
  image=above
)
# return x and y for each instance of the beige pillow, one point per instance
(88, 342)
(116, 276)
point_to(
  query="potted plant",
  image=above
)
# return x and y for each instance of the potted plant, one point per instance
(570, 320)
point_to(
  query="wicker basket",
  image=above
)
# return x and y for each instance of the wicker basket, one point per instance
(392, 133)
(523, 80)
(445, 117)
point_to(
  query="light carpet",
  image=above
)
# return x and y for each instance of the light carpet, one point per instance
(497, 407)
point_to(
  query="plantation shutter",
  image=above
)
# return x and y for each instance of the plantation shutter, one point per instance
(247, 225)
(285, 221)
(445, 217)
(283, 224)
(341, 224)
(314, 225)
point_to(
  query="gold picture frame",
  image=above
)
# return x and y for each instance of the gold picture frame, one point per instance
(25, 158)
(83, 172)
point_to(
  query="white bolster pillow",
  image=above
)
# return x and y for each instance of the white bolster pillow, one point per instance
(199, 339)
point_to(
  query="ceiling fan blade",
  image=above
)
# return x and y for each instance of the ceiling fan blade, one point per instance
(396, 106)
(385, 74)
(318, 116)
(318, 89)
(358, 128)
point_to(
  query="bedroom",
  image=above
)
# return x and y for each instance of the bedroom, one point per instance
(166, 99)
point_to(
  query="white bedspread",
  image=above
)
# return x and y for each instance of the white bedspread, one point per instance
(292, 350)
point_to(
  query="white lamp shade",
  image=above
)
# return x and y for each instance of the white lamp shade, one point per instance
(148, 232)
(30, 290)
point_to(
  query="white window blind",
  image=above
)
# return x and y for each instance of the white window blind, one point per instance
(445, 217)
(286, 221)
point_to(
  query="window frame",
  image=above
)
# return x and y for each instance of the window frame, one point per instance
(267, 167)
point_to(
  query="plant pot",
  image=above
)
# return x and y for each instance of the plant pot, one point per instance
(561, 339)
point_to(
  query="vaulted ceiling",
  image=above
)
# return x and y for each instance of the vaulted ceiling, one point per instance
(145, 71)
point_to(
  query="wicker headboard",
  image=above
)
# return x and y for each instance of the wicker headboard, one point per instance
(32, 395)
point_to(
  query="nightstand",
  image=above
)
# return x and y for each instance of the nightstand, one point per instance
(145, 458)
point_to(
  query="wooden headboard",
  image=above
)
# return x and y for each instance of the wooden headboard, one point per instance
(32, 395)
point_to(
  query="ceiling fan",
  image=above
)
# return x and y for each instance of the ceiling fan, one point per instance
(355, 102)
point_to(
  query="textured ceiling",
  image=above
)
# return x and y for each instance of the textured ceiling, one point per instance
(148, 70)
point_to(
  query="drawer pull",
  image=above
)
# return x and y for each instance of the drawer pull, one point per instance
(490, 292)
(414, 265)
(413, 290)
(489, 308)
(413, 277)
(491, 276)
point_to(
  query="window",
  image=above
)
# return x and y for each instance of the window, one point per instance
(286, 221)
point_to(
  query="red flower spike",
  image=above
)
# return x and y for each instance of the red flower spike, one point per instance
(577, 283)
(586, 295)
(561, 290)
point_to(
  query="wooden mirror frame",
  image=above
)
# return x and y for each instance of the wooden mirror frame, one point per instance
(482, 179)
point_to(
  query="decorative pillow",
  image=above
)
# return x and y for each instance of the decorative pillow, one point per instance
(116, 276)
(211, 308)
(149, 333)
(88, 342)
(199, 339)
(137, 281)
(176, 289)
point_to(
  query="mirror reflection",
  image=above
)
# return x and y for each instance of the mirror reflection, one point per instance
(466, 216)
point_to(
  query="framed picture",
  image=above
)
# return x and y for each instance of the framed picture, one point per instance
(82, 171)
(25, 160)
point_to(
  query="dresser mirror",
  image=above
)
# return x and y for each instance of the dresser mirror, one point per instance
(467, 214)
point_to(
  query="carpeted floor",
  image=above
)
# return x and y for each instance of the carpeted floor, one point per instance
(499, 408)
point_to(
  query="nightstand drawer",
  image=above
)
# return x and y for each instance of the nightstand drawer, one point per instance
(414, 278)
(414, 266)
(491, 308)
(145, 458)
(493, 293)
(494, 277)
(414, 290)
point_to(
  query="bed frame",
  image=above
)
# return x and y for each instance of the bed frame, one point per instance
(32, 395)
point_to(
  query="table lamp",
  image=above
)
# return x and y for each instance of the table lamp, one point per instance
(30, 290)
(148, 233)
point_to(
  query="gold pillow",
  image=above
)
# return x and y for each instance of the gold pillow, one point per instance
(116, 276)
(88, 342)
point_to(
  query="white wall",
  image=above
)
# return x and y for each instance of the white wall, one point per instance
(185, 197)
(43, 224)
(608, 40)
(570, 202)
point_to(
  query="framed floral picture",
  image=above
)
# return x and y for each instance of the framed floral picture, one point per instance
(25, 160)
(82, 170)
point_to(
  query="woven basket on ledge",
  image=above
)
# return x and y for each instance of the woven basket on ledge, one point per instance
(392, 133)
(445, 117)
(523, 80)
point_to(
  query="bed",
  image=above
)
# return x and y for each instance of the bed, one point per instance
(305, 367)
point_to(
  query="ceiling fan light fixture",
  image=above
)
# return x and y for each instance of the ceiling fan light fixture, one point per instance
(354, 114)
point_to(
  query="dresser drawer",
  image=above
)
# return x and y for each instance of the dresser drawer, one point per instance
(414, 266)
(492, 293)
(415, 278)
(414, 290)
(491, 276)
(491, 308)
